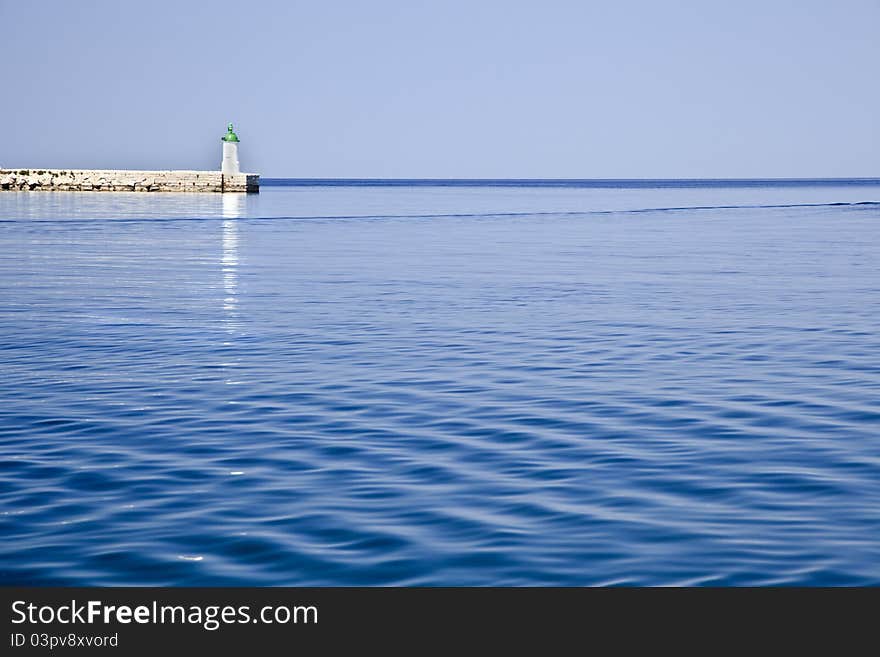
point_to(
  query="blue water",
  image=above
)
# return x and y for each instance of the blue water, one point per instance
(612, 382)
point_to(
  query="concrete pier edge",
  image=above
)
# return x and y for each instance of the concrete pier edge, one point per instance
(114, 180)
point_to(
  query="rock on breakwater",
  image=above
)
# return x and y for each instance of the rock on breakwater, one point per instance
(110, 180)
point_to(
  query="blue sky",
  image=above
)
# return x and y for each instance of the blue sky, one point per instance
(567, 89)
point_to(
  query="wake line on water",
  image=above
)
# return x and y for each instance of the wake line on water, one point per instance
(557, 213)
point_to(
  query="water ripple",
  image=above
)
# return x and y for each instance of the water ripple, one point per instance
(652, 397)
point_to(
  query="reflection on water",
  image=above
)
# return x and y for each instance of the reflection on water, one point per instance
(230, 264)
(72, 206)
(233, 207)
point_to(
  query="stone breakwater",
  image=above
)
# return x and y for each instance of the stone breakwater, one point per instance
(96, 180)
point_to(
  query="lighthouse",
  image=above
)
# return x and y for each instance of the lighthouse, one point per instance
(229, 166)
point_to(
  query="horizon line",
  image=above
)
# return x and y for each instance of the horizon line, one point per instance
(575, 179)
(298, 181)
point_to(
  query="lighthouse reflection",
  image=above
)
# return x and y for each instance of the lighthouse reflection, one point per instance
(233, 204)
(233, 208)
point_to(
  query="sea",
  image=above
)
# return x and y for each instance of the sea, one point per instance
(442, 382)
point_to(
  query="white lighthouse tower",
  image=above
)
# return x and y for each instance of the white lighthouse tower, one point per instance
(230, 140)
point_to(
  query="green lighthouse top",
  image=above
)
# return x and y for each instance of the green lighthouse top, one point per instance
(230, 135)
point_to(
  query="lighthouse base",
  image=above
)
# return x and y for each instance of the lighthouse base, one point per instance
(109, 180)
